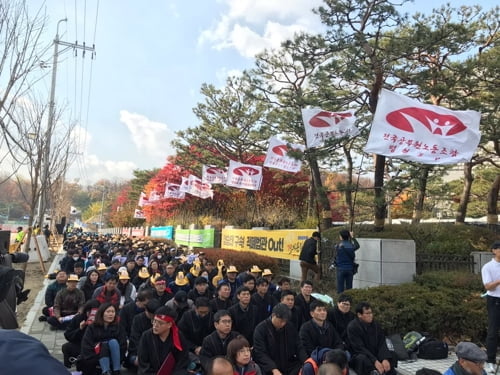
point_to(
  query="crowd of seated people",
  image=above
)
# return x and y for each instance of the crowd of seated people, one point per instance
(141, 305)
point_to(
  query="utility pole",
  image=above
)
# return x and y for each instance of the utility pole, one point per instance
(44, 184)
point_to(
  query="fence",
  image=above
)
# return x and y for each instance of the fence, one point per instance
(424, 262)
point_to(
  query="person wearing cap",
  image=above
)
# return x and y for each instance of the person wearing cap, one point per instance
(200, 289)
(126, 288)
(310, 249)
(255, 271)
(51, 292)
(102, 269)
(66, 304)
(216, 343)
(141, 278)
(181, 282)
(180, 303)
(161, 292)
(268, 275)
(197, 324)
(232, 279)
(490, 274)
(140, 323)
(276, 344)
(344, 261)
(470, 361)
(162, 349)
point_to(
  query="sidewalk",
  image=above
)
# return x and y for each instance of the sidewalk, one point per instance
(441, 365)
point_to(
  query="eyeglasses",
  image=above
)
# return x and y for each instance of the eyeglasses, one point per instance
(225, 321)
(158, 322)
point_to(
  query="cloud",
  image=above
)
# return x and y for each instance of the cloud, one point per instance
(150, 137)
(250, 26)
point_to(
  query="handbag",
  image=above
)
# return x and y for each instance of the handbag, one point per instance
(355, 267)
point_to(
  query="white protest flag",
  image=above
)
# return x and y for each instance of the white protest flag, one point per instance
(173, 191)
(244, 176)
(206, 190)
(154, 196)
(322, 125)
(213, 174)
(139, 214)
(195, 185)
(184, 185)
(143, 200)
(277, 157)
(407, 129)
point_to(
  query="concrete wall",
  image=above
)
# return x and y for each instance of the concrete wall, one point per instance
(381, 262)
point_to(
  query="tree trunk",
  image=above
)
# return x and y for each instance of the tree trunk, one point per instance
(418, 206)
(349, 187)
(323, 202)
(492, 201)
(464, 198)
(311, 201)
(380, 202)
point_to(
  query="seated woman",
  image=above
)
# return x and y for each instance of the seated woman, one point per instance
(240, 356)
(104, 343)
(75, 330)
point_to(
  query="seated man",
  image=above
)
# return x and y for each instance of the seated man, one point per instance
(470, 361)
(130, 310)
(304, 299)
(67, 303)
(197, 324)
(319, 332)
(244, 314)
(51, 292)
(222, 300)
(341, 315)
(262, 300)
(216, 343)
(368, 346)
(277, 348)
(288, 298)
(162, 349)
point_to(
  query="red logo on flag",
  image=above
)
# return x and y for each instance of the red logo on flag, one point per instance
(437, 123)
(173, 188)
(280, 150)
(214, 170)
(324, 119)
(245, 171)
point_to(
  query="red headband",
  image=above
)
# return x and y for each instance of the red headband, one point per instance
(175, 331)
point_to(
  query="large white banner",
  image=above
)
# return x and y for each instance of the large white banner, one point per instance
(321, 125)
(244, 176)
(277, 157)
(213, 174)
(184, 185)
(407, 129)
(173, 191)
(143, 200)
(154, 196)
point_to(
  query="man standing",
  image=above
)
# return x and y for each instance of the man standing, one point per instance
(345, 260)
(276, 344)
(162, 349)
(470, 360)
(491, 279)
(368, 345)
(307, 257)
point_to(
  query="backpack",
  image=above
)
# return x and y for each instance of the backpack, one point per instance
(432, 349)
(313, 364)
(411, 340)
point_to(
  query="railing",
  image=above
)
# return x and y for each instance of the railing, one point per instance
(444, 262)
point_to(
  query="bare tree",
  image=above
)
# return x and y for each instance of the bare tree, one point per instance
(21, 56)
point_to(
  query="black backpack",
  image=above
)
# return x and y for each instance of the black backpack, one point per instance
(432, 349)
(399, 347)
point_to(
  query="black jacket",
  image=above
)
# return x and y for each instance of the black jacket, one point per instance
(214, 346)
(340, 321)
(279, 349)
(96, 334)
(127, 314)
(73, 333)
(244, 321)
(304, 307)
(195, 328)
(308, 251)
(313, 336)
(153, 351)
(140, 324)
(217, 304)
(368, 339)
(264, 306)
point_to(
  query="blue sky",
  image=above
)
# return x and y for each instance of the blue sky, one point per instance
(150, 63)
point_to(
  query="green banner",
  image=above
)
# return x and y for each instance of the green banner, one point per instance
(195, 237)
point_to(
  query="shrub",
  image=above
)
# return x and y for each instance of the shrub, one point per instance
(460, 280)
